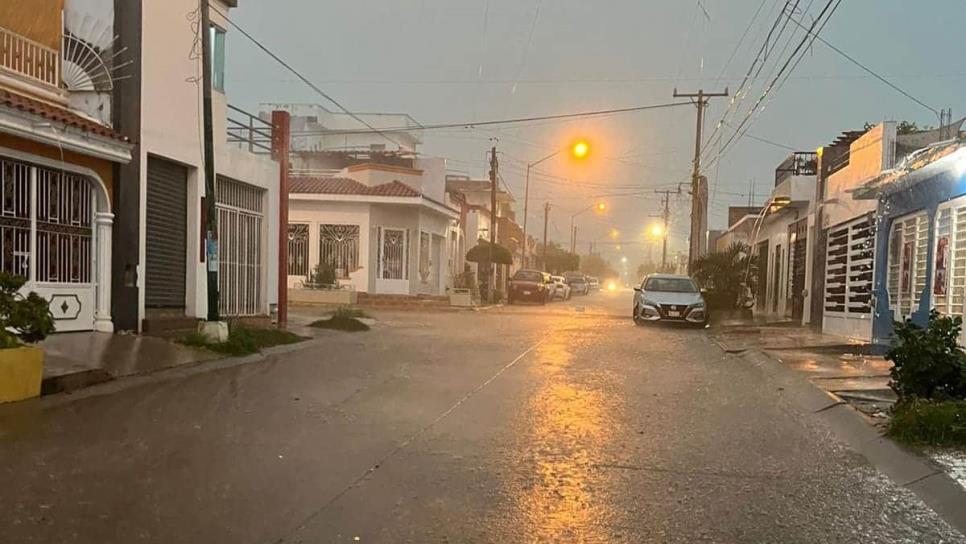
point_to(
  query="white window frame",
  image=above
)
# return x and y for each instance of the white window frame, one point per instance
(920, 239)
(957, 253)
(851, 261)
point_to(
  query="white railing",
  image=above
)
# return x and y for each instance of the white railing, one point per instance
(30, 59)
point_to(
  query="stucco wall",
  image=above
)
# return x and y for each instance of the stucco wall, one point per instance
(317, 213)
(868, 156)
(38, 20)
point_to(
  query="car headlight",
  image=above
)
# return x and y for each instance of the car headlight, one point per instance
(650, 303)
(698, 304)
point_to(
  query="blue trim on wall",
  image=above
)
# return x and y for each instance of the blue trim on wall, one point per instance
(925, 196)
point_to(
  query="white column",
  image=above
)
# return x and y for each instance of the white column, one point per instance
(104, 223)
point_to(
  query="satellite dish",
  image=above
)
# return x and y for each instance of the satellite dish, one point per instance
(89, 54)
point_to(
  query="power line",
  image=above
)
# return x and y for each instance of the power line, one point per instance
(864, 67)
(471, 124)
(304, 79)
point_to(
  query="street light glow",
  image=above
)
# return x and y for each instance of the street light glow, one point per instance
(614, 234)
(624, 260)
(601, 206)
(657, 230)
(580, 150)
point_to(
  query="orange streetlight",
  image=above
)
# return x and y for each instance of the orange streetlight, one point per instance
(657, 230)
(579, 150)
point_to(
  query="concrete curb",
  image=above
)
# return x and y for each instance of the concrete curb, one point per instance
(905, 467)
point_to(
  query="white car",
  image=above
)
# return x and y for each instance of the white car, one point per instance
(561, 289)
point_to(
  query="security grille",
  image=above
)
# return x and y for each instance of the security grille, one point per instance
(239, 247)
(15, 219)
(166, 234)
(64, 227)
(298, 249)
(339, 248)
(907, 263)
(949, 286)
(394, 254)
(848, 268)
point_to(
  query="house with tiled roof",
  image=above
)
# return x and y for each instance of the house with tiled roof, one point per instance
(384, 229)
(58, 183)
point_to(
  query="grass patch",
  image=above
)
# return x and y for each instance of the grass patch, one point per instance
(929, 423)
(345, 318)
(340, 323)
(243, 341)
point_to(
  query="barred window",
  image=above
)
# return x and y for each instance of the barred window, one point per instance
(339, 247)
(298, 249)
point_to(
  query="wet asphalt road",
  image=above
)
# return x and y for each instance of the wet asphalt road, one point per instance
(522, 424)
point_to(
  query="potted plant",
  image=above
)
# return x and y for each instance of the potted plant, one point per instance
(24, 320)
(461, 294)
(323, 288)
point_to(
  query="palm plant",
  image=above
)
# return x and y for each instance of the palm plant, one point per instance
(727, 275)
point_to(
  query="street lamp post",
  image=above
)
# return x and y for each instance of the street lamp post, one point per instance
(599, 206)
(579, 151)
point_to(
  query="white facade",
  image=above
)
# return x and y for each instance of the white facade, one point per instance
(394, 242)
(315, 128)
(850, 236)
(171, 129)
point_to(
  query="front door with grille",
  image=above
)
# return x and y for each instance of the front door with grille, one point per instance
(392, 276)
(240, 248)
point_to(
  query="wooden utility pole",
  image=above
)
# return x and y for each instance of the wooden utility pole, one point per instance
(210, 211)
(546, 219)
(699, 201)
(490, 280)
(281, 131)
(666, 215)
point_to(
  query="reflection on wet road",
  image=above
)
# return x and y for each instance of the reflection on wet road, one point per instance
(568, 427)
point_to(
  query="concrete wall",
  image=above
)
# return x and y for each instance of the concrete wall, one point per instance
(171, 128)
(868, 156)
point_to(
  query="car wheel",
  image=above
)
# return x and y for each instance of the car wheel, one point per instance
(636, 316)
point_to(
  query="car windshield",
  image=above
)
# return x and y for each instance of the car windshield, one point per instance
(670, 285)
(528, 275)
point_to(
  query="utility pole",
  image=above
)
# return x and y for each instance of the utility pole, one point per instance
(490, 279)
(210, 211)
(546, 219)
(699, 200)
(666, 215)
(573, 239)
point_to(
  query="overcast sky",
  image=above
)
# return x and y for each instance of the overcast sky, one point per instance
(470, 60)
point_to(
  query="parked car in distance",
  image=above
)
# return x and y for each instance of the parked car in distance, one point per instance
(593, 284)
(530, 285)
(577, 282)
(669, 297)
(562, 290)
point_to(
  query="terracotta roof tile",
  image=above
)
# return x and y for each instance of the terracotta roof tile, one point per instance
(57, 114)
(346, 186)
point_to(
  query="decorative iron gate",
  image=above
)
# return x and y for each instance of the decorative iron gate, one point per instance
(394, 254)
(15, 220)
(298, 249)
(339, 248)
(240, 216)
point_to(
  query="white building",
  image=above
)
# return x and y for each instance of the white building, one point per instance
(315, 128)
(161, 192)
(781, 242)
(384, 229)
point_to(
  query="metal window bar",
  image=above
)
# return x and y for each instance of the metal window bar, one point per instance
(298, 249)
(339, 247)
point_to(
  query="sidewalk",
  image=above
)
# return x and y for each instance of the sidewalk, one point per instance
(79, 359)
(843, 367)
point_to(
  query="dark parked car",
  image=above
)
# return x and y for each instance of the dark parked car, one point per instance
(577, 282)
(532, 285)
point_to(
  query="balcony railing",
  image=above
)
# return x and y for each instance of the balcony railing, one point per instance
(30, 59)
(800, 163)
(249, 130)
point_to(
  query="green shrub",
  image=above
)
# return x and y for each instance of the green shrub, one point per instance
(22, 318)
(927, 362)
(324, 274)
(243, 340)
(726, 275)
(927, 423)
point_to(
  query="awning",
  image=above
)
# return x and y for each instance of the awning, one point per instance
(481, 253)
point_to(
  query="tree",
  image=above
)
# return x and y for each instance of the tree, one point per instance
(559, 260)
(597, 266)
(726, 274)
(904, 127)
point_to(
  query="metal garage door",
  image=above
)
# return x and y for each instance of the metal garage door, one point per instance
(167, 205)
